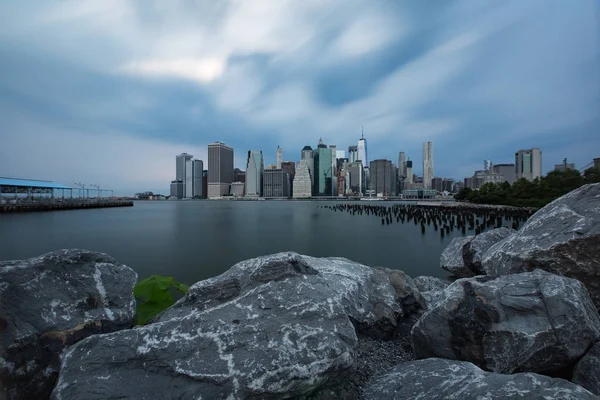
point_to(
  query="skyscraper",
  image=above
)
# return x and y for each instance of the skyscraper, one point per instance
(333, 149)
(362, 150)
(323, 170)
(279, 157)
(401, 164)
(182, 170)
(427, 164)
(254, 173)
(276, 183)
(382, 178)
(528, 164)
(409, 172)
(290, 168)
(308, 155)
(355, 178)
(220, 169)
(302, 187)
(352, 153)
(487, 165)
(197, 168)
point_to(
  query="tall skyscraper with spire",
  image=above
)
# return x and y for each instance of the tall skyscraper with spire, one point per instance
(362, 150)
(427, 164)
(279, 157)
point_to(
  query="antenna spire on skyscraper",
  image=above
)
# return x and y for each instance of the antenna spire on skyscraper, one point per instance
(362, 131)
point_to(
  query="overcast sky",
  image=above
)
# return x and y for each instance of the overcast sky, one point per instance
(108, 92)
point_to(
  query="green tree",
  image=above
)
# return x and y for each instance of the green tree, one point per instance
(154, 295)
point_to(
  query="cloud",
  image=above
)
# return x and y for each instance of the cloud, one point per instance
(197, 70)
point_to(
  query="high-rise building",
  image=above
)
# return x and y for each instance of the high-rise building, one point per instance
(487, 165)
(197, 170)
(279, 157)
(182, 170)
(220, 169)
(302, 187)
(362, 150)
(401, 164)
(254, 173)
(177, 189)
(382, 178)
(205, 184)
(352, 153)
(308, 155)
(323, 170)
(333, 149)
(355, 177)
(290, 168)
(506, 170)
(528, 164)
(436, 184)
(427, 164)
(409, 172)
(276, 183)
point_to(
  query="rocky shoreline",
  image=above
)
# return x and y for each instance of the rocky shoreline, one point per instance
(520, 321)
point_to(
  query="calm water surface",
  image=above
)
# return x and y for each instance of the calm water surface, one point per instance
(195, 240)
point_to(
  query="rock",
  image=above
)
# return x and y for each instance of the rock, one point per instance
(431, 288)
(452, 257)
(438, 379)
(271, 327)
(464, 255)
(54, 301)
(528, 322)
(587, 370)
(563, 238)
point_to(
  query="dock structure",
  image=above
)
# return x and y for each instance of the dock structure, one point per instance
(25, 195)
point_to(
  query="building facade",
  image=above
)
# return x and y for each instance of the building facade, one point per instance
(239, 175)
(563, 167)
(177, 189)
(220, 169)
(528, 164)
(237, 189)
(487, 165)
(254, 173)
(427, 164)
(355, 178)
(382, 179)
(323, 170)
(290, 168)
(352, 153)
(436, 184)
(302, 186)
(506, 170)
(183, 172)
(276, 184)
(198, 187)
(279, 157)
(409, 172)
(308, 155)
(402, 164)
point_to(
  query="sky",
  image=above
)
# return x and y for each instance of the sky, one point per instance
(107, 92)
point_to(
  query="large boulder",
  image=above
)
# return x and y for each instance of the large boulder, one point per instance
(563, 238)
(587, 370)
(464, 255)
(272, 327)
(438, 379)
(528, 322)
(50, 302)
(431, 288)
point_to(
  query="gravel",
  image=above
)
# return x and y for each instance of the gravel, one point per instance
(373, 357)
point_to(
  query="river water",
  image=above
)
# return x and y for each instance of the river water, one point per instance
(195, 240)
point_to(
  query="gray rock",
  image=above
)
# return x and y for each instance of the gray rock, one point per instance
(271, 327)
(563, 238)
(463, 256)
(431, 288)
(53, 301)
(528, 322)
(452, 257)
(438, 379)
(587, 370)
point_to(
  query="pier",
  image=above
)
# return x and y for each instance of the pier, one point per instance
(59, 204)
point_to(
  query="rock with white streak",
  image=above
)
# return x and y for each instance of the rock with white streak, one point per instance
(563, 238)
(587, 370)
(464, 255)
(438, 379)
(529, 322)
(50, 302)
(431, 288)
(277, 326)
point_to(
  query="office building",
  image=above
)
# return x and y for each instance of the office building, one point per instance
(409, 172)
(177, 189)
(448, 185)
(323, 170)
(205, 184)
(382, 179)
(352, 153)
(528, 164)
(188, 183)
(427, 164)
(254, 173)
(197, 184)
(237, 189)
(276, 184)
(333, 149)
(239, 175)
(302, 186)
(436, 184)
(401, 164)
(355, 177)
(564, 167)
(506, 170)
(308, 155)
(290, 168)
(362, 150)
(487, 165)
(183, 172)
(220, 169)
(279, 158)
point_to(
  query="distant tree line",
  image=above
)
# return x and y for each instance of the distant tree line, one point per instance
(524, 193)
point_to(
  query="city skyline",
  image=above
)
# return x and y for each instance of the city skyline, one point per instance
(84, 83)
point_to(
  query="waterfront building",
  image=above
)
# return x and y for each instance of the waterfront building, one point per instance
(290, 168)
(205, 184)
(333, 149)
(506, 170)
(220, 169)
(409, 172)
(427, 164)
(323, 170)
(382, 179)
(237, 189)
(448, 185)
(279, 157)
(563, 167)
(352, 153)
(197, 174)
(302, 185)
(188, 183)
(177, 189)
(528, 164)
(254, 173)
(419, 193)
(276, 183)
(402, 164)
(436, 184)
(308, 155)
(183, 172)
(356, 177)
